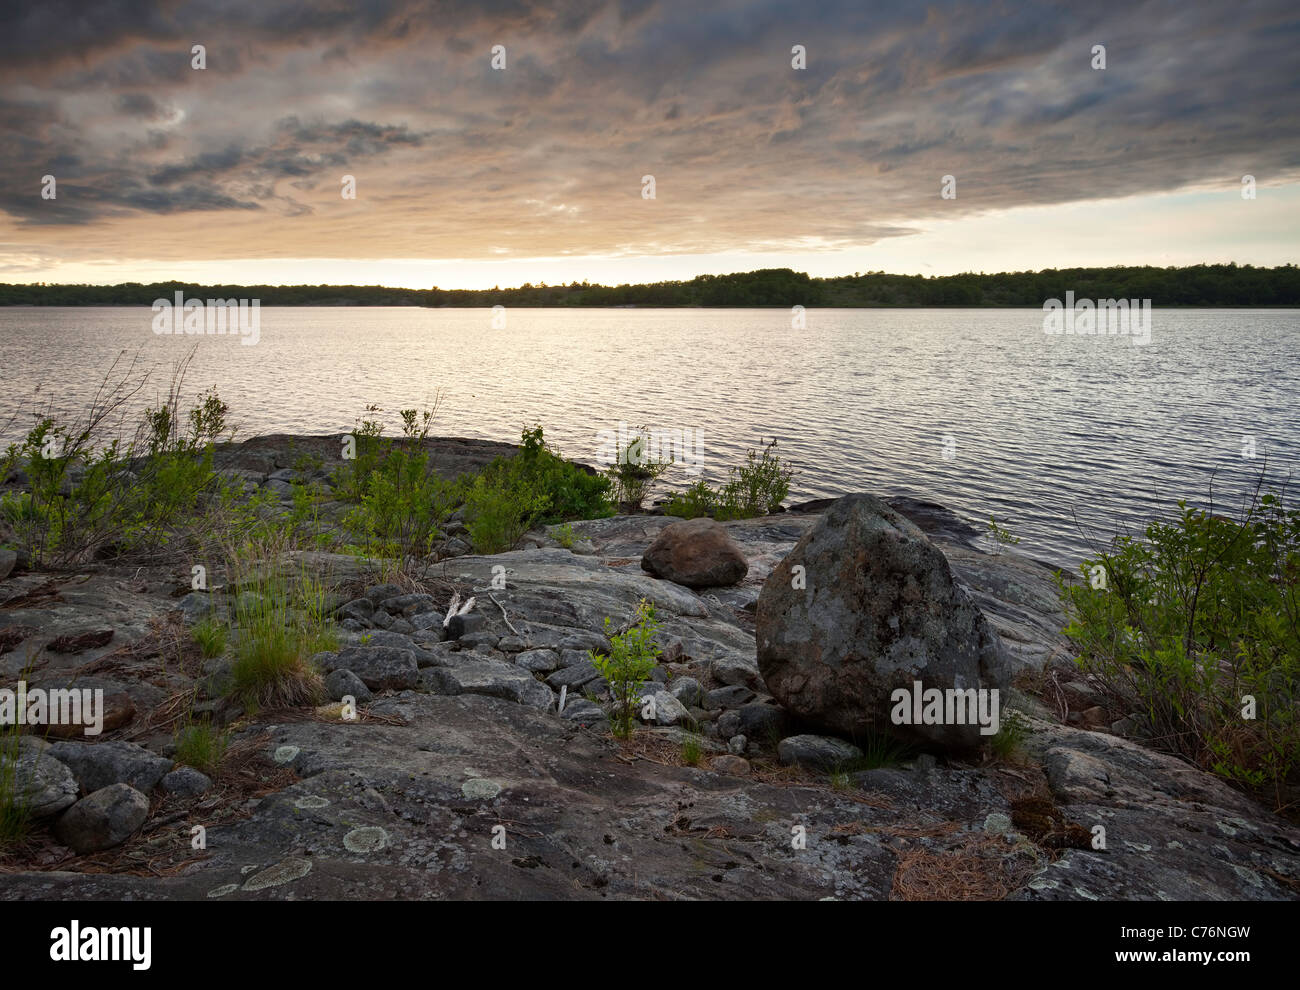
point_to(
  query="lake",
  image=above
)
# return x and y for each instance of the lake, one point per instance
(1061, 437)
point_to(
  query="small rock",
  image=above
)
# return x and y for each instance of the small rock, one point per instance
(668, 710)
(538, 661)
(737, 766)
(47, 785)
(463, 625)
(817, 752)
(102, 820)
(382, 668)
(573, 677)
(736, 745)
(731, 696)
(687, 690)
(185, 782)
(342, 682)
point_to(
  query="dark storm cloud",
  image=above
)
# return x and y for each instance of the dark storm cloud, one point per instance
(747, 152)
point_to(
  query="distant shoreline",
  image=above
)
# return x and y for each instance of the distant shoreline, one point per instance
(1228, 286)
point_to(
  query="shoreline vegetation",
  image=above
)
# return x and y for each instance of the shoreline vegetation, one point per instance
(1187, 633)
(1213, 286)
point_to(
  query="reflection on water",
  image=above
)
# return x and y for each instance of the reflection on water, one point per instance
(1040, 430)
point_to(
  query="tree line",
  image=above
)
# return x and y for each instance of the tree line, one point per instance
(1195, 285)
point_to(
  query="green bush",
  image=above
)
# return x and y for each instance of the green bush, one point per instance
(1189, 622)
(95, 496)
(698, 500)
(632, 656)
(200, 746)
(634, 473)
(210, 636)
(534, 487)
(280, 623)
(757, 488)
(569, 490)
(500, 507)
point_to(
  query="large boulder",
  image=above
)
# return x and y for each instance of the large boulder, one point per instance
(697, 553)
(874, 609)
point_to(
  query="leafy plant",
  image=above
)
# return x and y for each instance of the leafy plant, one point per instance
(758, 487)
(697, 500)
(1196, 625)
(632, 656)
(692, 750)
(634, 473)
(1000, 536)
(1011, 734)
(565, 536)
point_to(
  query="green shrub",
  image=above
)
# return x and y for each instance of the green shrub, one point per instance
(97, 496)
(631, 658)
(1001, 536)
(698, 500)
(757, 488)
(200, 746)
(566, 537)
(15, 789)
(692, 750)
(634, 473)
(280, 623)
(500, 507)
(1011, 734)
(1190, 622)
(210, 635)
(569, 490)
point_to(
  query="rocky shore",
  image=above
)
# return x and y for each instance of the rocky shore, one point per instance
(461, 777)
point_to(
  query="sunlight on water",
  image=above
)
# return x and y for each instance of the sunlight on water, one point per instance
(1049, 433)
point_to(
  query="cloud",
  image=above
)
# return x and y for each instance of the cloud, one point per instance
(456, 160)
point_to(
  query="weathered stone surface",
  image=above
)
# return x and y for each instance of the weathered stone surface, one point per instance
(341, 683)
(41, 782)
(8, 561)
(668, 710)
(186, 782)
(98, 765)
(492, 678)
(103, 819)
(697, 553)
(381, 668)
(880, 611)
(817, 752)
(538, 661)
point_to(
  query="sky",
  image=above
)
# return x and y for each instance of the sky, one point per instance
(474, 169)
